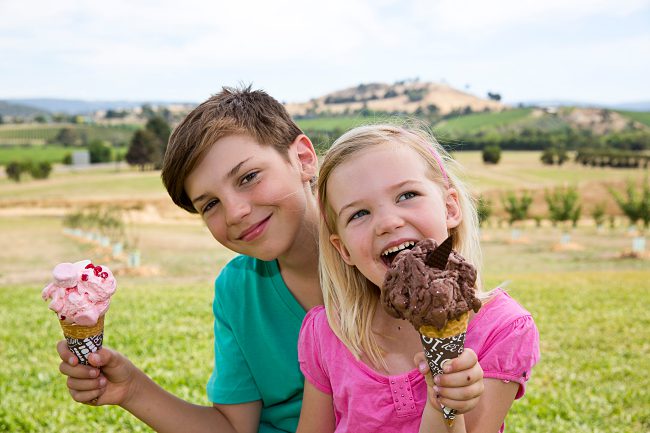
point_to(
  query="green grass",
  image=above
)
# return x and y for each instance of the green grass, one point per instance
(639, 116)
(342, 123)
(482, 121)
(34, 133)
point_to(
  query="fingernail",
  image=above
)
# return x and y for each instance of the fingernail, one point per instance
(423, 367)
(93, 373)
(71, 360)
(102, 382)
(436, 380)
(447, 367)
(436, 390)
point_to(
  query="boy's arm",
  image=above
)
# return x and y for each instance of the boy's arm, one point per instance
(165, 412)
(120, 382)
(317, 414)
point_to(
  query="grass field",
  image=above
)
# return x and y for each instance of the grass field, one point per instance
(36, 134)
(590, 303)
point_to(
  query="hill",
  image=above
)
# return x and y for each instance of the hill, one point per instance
(14, 109)
(400, 97)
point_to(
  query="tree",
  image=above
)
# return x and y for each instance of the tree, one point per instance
(598, 214)
(563, 205)
(40, 170)
(517, 207)
(494, 96)
(67, 136)
(99, 152)
(14, 169)
(161, 129)
(491, 154)
(635, 205)
(144, 149)
(483, 209)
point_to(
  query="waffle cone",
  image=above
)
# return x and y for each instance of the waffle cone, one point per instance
(83, 340)
(453, 327)
(442, 345)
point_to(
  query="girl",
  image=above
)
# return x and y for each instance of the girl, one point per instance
(381, 187)
(242, 164)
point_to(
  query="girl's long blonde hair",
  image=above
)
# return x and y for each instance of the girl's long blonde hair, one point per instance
(350, 299)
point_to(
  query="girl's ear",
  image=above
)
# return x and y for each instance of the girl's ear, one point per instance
(306, 157)
(454, 212)
(340, 247)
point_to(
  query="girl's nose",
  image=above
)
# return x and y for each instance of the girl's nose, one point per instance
(387, 223)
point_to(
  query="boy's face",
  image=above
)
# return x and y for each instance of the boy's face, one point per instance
(393, 202)
(252, 199)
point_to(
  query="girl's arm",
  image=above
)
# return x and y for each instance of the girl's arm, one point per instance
(492, 407)
(317, 414)
(120, 382)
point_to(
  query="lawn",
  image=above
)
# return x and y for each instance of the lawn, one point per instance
(34, 133)
(588, 301)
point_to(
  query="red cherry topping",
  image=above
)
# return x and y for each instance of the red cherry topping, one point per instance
(89, 266)
(98, 268)
(84, 277)
(62, 317)
(104, 275)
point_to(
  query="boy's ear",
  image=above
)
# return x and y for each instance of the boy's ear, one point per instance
(306, 156)
(340, 247)
(454, 212)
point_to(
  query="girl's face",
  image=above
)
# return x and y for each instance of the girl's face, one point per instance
(251, 198)
(384, 202)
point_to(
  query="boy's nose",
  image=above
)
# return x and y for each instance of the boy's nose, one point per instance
(236, 211)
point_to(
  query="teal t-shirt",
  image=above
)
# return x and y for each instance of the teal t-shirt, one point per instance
(256, 326)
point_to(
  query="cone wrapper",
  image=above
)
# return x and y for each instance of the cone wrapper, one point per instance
(441, 346)
(83, 340)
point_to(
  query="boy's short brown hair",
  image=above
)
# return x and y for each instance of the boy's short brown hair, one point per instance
(230, 112)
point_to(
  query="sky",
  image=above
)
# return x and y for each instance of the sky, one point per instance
(595, 51)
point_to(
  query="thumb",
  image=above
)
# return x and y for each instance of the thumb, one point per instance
(102, 358)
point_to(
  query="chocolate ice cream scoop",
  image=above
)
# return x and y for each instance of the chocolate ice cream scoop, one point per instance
(416, 290)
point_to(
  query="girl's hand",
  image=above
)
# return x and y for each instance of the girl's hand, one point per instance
(112, 384)
(460, 386)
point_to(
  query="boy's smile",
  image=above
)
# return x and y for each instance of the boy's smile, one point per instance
(384, 202)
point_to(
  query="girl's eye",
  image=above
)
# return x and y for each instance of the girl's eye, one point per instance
(358, 214)
(249, 177)
(209, 205)
(406, 196)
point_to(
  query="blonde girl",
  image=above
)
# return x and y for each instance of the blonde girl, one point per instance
(379, 187)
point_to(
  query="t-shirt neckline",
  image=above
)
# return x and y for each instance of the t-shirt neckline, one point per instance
(283, 291)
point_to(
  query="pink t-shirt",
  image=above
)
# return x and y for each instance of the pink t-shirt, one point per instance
(502, 334)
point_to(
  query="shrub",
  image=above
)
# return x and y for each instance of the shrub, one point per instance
(563, 205)
(517, 207)
(635, 205)
(483, 209)
(14, 170)
(40, 170)
(598, 214)
(99, 152)
(491, 154)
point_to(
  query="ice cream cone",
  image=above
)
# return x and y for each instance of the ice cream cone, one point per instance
(442, 345)
(83, 340)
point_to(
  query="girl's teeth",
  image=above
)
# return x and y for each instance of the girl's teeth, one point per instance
(398, 247)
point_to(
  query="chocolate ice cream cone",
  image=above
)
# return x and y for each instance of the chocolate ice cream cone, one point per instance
(83, 340)
(442, 345)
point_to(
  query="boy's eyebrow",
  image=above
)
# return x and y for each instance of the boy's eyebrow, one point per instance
(233, 172)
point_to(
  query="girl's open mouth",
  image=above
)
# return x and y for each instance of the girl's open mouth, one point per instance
(389, 254)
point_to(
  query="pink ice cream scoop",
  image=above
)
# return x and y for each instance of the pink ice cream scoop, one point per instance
(80, 292)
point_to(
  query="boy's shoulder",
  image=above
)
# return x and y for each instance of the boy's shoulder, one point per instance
(242, 266)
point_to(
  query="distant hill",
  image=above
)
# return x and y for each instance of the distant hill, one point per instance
(404, 97)
(75, 106)
(14, 109)
(630, 106)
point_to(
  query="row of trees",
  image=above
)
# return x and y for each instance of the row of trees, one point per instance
(564, 205)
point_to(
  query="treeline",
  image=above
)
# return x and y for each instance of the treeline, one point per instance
(537, 139)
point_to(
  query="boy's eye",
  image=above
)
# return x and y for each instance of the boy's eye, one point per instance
(209, 205)
(406, 196)
(358, 214)
(249, 177)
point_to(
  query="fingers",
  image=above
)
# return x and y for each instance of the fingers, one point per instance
(91, 397)
(65, 354)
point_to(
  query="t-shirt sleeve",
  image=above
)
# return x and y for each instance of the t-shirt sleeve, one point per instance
(310, 354)
(231, 381)
(512, 353)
